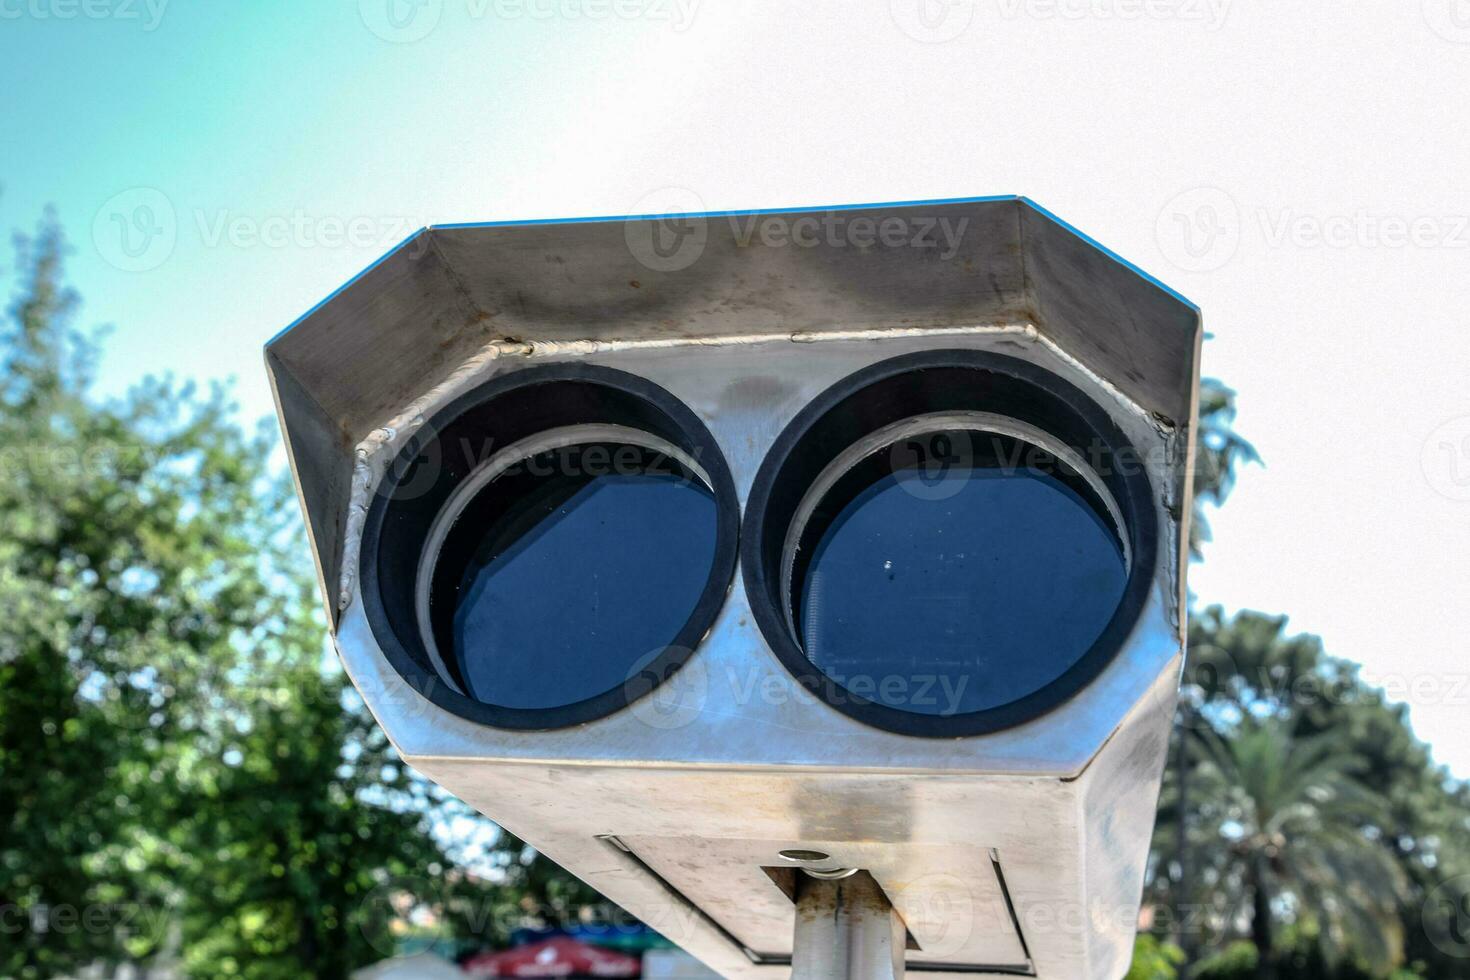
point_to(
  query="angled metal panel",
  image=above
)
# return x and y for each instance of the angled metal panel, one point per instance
(404, 324)
(320, 455)
(1130, 329)
(588, 280)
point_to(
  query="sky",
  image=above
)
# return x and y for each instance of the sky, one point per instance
(1298, 170)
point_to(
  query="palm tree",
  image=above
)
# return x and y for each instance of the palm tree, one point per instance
(1299, 830)
(1219, 452)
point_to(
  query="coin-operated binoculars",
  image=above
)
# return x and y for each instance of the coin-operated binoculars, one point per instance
(809, 583)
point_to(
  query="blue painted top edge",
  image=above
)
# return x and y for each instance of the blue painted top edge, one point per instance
(1110, 253)
(741, 213)
(343, 288)
(526, 222)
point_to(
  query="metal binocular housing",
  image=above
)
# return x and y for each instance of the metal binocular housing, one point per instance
(712, 554)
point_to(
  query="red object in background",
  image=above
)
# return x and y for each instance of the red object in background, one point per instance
(558, 957)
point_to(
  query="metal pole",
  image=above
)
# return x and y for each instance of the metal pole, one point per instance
(846, 930)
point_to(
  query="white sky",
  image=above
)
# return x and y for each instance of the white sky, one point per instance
(1315, 153)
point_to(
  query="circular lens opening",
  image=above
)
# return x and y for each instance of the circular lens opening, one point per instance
(949, 543)
(563, 563)
(953, 564)
(549, 547)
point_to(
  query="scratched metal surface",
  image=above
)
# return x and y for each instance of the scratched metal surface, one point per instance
(406, 324)
(733, 755)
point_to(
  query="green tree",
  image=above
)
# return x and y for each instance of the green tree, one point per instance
(1294, 819)
(1246, 671)
(98, 567)
(1154, 959)
(301, 869)
(1219, 452)
(182, 767)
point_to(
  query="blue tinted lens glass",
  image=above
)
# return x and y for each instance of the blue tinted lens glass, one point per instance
(566, 574)
(958, 587)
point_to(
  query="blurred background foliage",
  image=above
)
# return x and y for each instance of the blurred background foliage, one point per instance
(188, 783)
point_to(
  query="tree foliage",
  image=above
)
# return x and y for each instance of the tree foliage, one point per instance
(1219, 452)
(186, 778)
(185, 774)
(1318, 828)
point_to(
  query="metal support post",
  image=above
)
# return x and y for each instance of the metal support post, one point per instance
(846, 930)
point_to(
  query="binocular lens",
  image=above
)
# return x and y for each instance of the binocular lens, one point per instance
(567, 570)
(549, 547)
(955, 571)
(948, 543)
